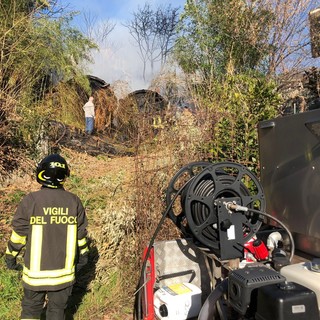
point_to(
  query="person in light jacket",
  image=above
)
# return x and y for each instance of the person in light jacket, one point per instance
(89, 115)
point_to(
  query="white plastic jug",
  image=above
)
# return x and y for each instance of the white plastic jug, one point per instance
(179, 301)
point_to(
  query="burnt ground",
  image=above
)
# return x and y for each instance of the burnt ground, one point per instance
(98, 143)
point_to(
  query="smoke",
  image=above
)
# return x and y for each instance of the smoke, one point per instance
(118, 58)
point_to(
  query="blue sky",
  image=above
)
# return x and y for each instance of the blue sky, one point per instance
(115, 9)
(118, 58)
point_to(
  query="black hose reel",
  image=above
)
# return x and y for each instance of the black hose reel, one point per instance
(213, 207)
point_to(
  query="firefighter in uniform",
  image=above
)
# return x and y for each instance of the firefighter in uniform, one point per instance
(52, 226)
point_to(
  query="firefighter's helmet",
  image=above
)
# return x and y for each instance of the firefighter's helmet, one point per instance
(52, 171)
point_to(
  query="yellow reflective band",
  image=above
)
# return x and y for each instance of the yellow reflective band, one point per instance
(15, 238)
(71, 246)
(12, 253)
(82, 242)
(83, 251)
(40, 175)
(47, 281)
(48, 273)
(53, 187)
(36, 247)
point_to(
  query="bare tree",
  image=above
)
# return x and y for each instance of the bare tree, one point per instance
(140, 28)
(166, 20)
(97, 30)
(154, 32)
(289, 37)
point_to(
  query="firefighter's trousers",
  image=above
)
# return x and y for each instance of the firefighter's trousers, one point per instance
(33, 304)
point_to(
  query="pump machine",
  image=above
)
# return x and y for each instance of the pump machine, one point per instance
(234, 260)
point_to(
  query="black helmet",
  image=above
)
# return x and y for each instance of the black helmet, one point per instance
(52, 171)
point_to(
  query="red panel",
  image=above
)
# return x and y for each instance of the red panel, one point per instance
(148, 289)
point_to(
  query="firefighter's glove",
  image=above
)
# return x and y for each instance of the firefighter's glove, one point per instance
(13, 265)
(83, 260)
